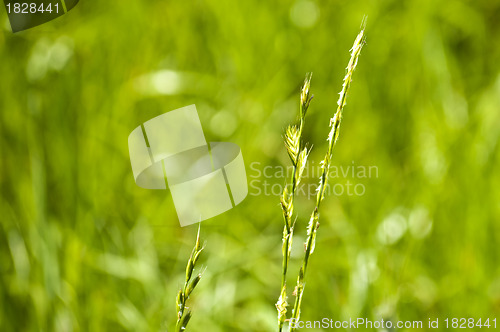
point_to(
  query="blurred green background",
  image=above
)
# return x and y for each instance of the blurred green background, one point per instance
(83, 248)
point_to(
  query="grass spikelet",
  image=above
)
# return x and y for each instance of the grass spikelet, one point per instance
(298, 156)
(313, 225)
(292, 140)
(183, 312)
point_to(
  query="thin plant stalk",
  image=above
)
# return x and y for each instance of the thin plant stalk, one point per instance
(183, 312)
(325, 166)
(298, 156)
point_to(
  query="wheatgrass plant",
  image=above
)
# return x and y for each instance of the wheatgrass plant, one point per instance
(183, 312)
(325, 167)
(298, 153)
(298, 156)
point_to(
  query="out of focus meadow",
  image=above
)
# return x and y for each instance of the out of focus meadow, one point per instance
(82, 248)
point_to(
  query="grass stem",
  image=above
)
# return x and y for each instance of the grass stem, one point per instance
(183, 312)
(298, 155)
(325, 166)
